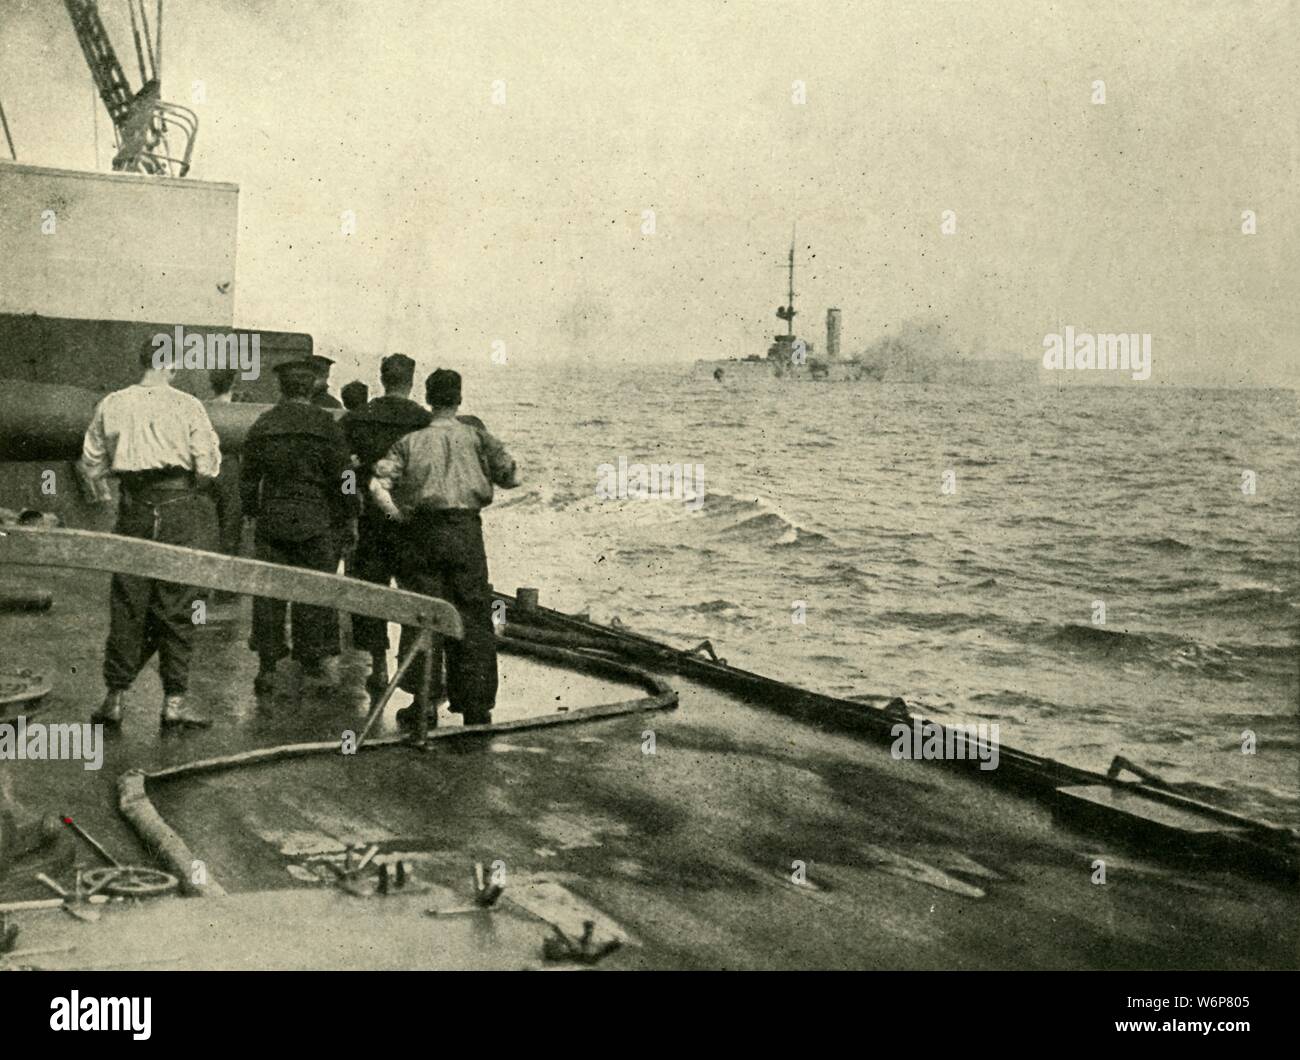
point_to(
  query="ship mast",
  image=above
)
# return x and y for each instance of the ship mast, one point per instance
(789, 320)
(787, 312)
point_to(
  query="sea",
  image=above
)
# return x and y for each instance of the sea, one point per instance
(1099, 570)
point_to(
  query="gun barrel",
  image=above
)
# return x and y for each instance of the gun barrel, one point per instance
(46, 421)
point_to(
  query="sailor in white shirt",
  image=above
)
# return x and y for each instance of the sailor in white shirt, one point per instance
(159, 444)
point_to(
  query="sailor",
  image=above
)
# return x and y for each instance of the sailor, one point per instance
(371, 432)
(297, 483)
(225, 494)
(433, 483)
(159, 444)
(320, 394)
(355, 395)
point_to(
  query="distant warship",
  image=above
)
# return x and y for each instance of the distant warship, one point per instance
(892, 359)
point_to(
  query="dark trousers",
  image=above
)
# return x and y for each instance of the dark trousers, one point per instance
(315, 629)
(225, 496)
(441, 554)
(147, 616)
(374, 560)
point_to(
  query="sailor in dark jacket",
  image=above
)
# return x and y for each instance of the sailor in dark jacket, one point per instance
(297, 482)
(371, 432)
(320, 394)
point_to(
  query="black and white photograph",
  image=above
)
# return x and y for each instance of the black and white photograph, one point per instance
(666, 486)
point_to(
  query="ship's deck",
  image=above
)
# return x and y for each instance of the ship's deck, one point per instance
(66, 644)
(689, 853)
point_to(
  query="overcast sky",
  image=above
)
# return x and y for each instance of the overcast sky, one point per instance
(522, 222)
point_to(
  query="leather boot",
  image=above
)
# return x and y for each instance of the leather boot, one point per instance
(407, 716)
(176, 715)
(110, 711)
(264, 682)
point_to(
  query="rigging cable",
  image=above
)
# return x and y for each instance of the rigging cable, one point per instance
(8, 137)
(135, 33)
(5, 122)
(94, 120)
(148, 41)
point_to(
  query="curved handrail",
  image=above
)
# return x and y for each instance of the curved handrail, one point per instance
(90, 550)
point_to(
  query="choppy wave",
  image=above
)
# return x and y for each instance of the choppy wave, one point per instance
(709, 607)
(1264, 604)
(933, 621)
(1073, 636)
(1165, 544)
(759, 523)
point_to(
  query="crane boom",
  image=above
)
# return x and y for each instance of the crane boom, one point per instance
(143, 125)
(109, 76)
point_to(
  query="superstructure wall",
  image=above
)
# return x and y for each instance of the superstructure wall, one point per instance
(117, 246)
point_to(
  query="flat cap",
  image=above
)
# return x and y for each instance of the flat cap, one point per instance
(303, 366)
